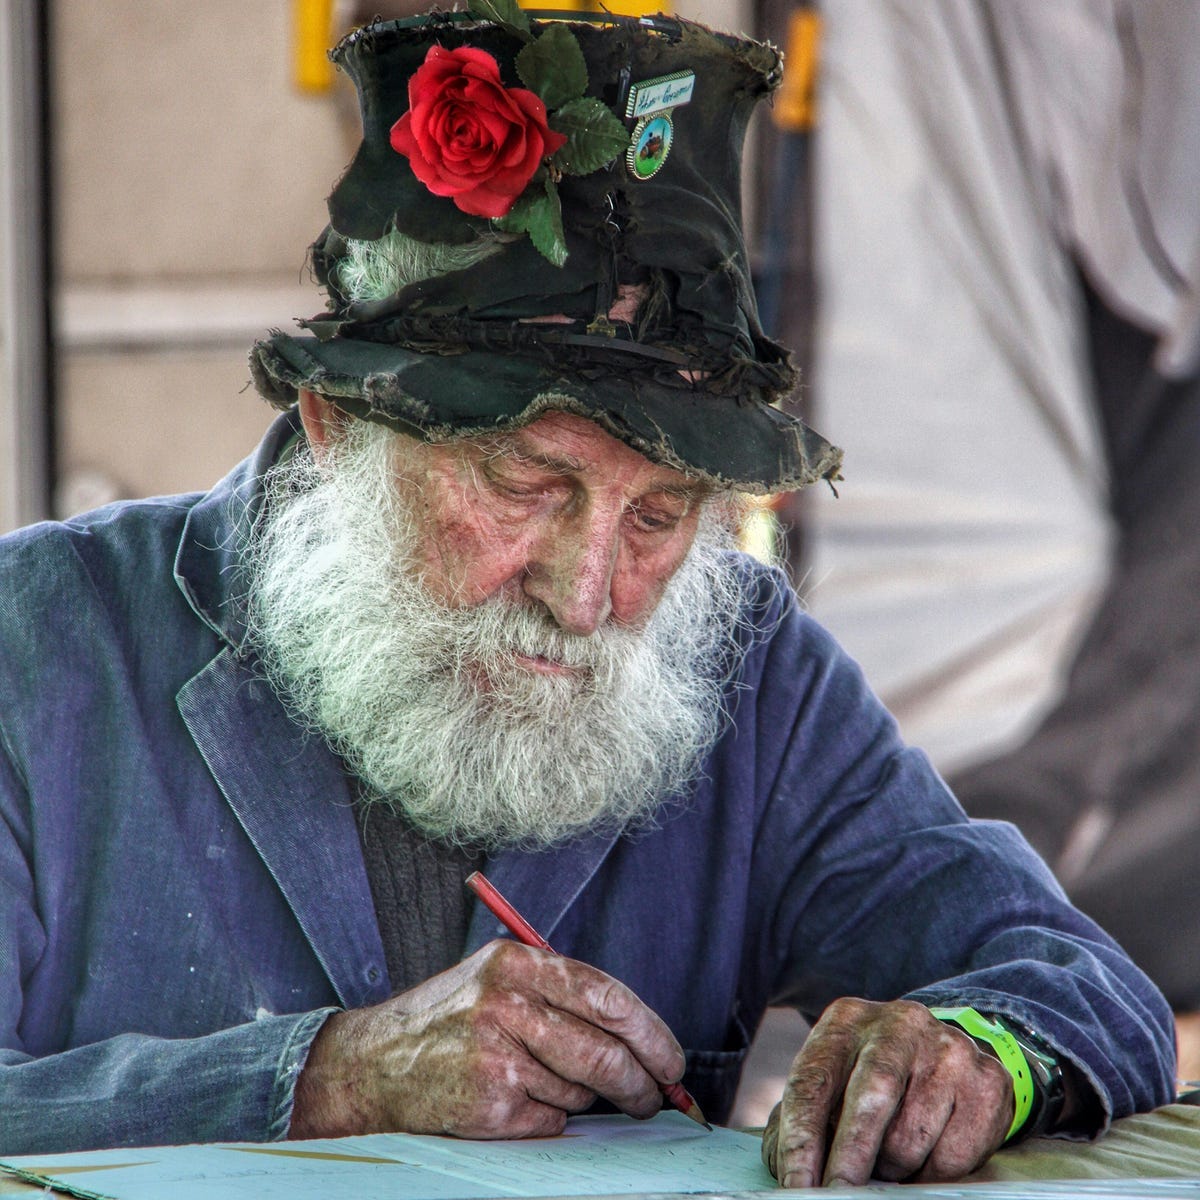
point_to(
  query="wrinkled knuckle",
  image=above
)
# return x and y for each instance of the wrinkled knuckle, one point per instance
(542, 1121)
(951, 1161)
(800, 1131)
(909, 1014)
(845, 1010)
(487, 953)
(806, 1084)
(490, 961)
(798, 1157)
(888, 1071)
(898, 1162)
(483, 1120)
(577, 1097)
(506, 1109)
(608, 1065)
(795, 1144)
(958, 1049)
(905, 1151)
(876, 1101)
(504, 955)
(612, 1000)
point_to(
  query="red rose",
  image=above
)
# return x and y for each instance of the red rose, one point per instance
(469, 137)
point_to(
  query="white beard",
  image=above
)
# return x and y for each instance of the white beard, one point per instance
(427, 704)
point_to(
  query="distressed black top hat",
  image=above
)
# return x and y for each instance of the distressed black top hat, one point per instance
(576, 186)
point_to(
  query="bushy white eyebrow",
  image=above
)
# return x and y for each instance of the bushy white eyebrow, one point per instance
(510, 446)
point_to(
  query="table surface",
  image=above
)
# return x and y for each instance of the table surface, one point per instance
(1149, 1155)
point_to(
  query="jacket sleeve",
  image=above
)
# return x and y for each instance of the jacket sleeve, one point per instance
(884, 888)
(236, 1084)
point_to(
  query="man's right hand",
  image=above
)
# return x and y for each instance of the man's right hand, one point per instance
(506, 1044)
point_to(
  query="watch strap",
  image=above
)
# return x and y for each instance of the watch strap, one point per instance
(1049, 1079)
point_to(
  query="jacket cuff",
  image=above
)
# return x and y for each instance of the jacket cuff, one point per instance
(292, 1058)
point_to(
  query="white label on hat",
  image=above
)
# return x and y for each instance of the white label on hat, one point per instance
(656, 95)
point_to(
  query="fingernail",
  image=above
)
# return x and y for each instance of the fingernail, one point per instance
(796, 1179)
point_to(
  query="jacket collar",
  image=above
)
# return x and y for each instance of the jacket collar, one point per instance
(207, 566)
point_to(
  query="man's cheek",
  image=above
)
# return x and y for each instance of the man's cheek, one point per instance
(466, 560)
(642, 579)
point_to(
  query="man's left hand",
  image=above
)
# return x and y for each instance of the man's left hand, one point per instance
(886, 1091)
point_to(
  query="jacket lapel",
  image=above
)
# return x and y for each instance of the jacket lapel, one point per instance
(285, 787)
(292, 799)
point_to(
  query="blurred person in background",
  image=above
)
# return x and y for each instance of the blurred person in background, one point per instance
(1008, 338)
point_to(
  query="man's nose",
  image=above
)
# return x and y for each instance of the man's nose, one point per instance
(571, 572)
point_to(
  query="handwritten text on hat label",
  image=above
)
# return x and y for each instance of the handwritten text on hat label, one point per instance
(661, 93)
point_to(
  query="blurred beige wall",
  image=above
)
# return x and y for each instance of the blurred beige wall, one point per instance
(190, 176)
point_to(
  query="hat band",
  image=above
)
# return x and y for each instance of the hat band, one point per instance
(563, 343)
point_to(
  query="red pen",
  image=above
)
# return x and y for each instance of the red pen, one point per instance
(678, 1096)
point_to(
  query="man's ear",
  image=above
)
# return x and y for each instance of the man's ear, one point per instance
(323, 422)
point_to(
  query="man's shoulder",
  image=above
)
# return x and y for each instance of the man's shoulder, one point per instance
(99, 546)
(110, 578)
(129, 548)
(120, 519)
(775, 620)
(766, 592)
(792, 667)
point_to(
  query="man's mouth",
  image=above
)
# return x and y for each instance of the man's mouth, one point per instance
(543, 665)
(515, 663)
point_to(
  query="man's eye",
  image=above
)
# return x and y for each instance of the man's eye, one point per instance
(516, 489)
(513, 489)
(655, 520)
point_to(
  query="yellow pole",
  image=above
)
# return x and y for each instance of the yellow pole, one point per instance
(795, 108)
(620, 8)
(312, 35)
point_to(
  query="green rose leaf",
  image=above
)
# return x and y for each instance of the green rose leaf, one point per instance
(540, 215)
(546, 226)
(594, 136)
(503, 12)
(553, 67)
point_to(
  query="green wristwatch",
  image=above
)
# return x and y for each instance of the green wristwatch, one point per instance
(1039, 1089)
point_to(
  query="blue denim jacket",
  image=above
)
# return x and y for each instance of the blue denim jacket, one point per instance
(183, 897)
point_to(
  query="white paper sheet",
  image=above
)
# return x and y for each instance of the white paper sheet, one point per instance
(596, 1155)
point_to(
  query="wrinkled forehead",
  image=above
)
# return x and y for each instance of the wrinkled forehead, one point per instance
(566, 443)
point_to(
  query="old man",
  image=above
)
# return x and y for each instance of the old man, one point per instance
(474, 603)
